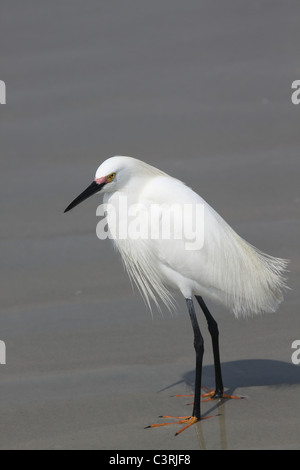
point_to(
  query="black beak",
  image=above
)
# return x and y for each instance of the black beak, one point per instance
(92, 189)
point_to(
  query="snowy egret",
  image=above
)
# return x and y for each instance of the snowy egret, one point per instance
(222, 266)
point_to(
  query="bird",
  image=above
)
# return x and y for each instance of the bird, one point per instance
(171, 240)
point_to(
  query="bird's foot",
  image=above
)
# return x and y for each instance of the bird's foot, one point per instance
(215, 394)
(187, 420)
(185, 396)
(180, 396)
(211, 395)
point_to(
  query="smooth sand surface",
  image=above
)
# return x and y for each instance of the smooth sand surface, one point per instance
(203, 90)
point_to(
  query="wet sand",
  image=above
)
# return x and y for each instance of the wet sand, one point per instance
(202, 91)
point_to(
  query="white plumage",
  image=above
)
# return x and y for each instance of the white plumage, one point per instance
(197, 254)
(226, 269)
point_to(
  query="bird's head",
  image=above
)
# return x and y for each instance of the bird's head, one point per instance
(112, 175)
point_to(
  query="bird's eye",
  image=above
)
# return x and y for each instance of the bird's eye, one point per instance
(111, 177)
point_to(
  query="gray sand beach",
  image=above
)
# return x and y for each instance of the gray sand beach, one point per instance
(201, 90)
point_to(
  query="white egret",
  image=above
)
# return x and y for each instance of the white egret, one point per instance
(221, 265)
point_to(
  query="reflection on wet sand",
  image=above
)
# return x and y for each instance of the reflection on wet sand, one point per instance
(220, 416)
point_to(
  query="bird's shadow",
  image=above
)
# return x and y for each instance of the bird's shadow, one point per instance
(247, 373)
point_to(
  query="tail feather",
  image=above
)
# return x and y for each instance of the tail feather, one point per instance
(259, 279)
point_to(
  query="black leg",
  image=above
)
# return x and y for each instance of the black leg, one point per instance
(214, 332)
(199, 348)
